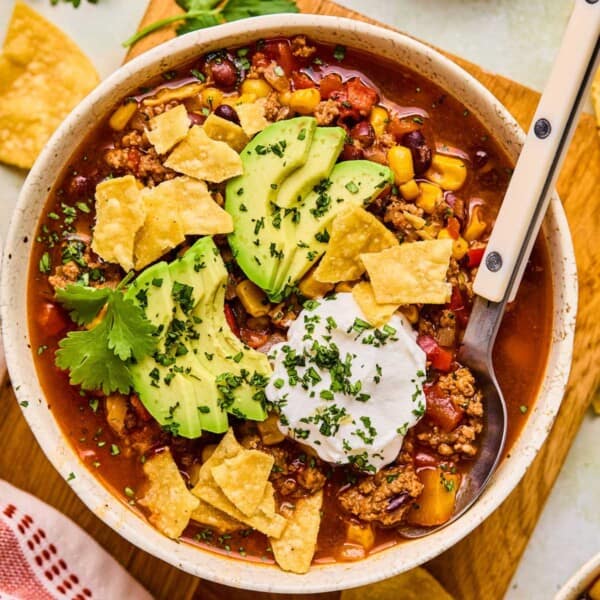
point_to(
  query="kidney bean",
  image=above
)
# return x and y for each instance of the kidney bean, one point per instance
(351, 152)
(364, 133)
(228, 113)
(420, 150)
(223, 72)
(80, 186)
(196, 118)
(480, 158)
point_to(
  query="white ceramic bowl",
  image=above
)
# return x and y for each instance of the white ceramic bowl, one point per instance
(84, 118)
(581, 580)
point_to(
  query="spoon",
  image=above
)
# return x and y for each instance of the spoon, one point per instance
(514, 233)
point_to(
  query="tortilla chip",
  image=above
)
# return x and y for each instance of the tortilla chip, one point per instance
(169, 94)
(43, 75)
(162, 228)
(120, 213)
(166, 497)
(243, 479)
(354, 231)
(416, 584)
(204, 158)
(376, 314)
(209, 515)
(223, 130)
(199, 213)
(295, 549)
(252, 117)
(596, 402)
(413, 273)
(168, 129)
(265, 519)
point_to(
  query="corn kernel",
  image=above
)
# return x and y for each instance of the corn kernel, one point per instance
(459, 248)
(401, 163)
(444, 234)
(409, 190)
(363, 536)
(122, 116)
(305, 101)
(379, 119)
(448, 172)
(476, 226)
(212, 97)
(411, 312)
(285, 97)
(416, 221)
(430, 196)
(259, 87)
(252, 298)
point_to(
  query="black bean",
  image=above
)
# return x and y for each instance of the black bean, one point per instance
(420, 150)
(228, 113)
(480, 158)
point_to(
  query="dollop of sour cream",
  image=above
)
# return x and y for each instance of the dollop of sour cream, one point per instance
(344, 388)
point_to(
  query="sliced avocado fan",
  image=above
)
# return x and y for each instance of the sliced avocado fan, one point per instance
(281, 214)
(200, 371)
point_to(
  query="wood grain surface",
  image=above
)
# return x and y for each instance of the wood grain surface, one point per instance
(482, 565)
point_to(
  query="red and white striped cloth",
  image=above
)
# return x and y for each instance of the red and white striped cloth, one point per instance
(45, 556)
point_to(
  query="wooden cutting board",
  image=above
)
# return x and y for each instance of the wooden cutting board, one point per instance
(482, 565)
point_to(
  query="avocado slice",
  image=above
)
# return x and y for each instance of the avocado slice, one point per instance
(327, 143)
(355, 181)
(268, 159)
(200, 371)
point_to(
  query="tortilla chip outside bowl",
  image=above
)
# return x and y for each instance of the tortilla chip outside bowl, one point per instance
(43, 75)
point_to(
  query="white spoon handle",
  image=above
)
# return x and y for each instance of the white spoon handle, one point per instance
(532, 183)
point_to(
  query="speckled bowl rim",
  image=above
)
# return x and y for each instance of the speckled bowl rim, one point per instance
(100, 500)
(580, 580)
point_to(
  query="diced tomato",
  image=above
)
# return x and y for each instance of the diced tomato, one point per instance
(454, 227)
(440, 409)
(282, 54)
(302, 81)
(139, 408)
(459, 307)
(329, 84)
(253, 338)
(424, 459)
(474, 256)
(440, 358)
(52, 319)
(231, 320)
(361, 96)
(259, 60)
(398, 127)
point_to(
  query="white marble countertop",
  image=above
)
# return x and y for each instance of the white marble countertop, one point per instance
(517, 38)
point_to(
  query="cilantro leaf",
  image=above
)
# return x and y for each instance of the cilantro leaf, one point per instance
(83, 302)
(197, 4)
(200, 22)
(130, 334)
(206, 13)
(241, 9)
(98, 358)
(91, 363)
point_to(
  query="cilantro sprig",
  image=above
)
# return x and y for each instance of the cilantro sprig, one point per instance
(200, 14)
(98, 358)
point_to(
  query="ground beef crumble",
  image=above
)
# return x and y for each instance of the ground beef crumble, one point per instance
(384, 497)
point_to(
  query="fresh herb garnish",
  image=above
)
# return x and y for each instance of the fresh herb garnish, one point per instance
(98, 358)
(206, 13)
